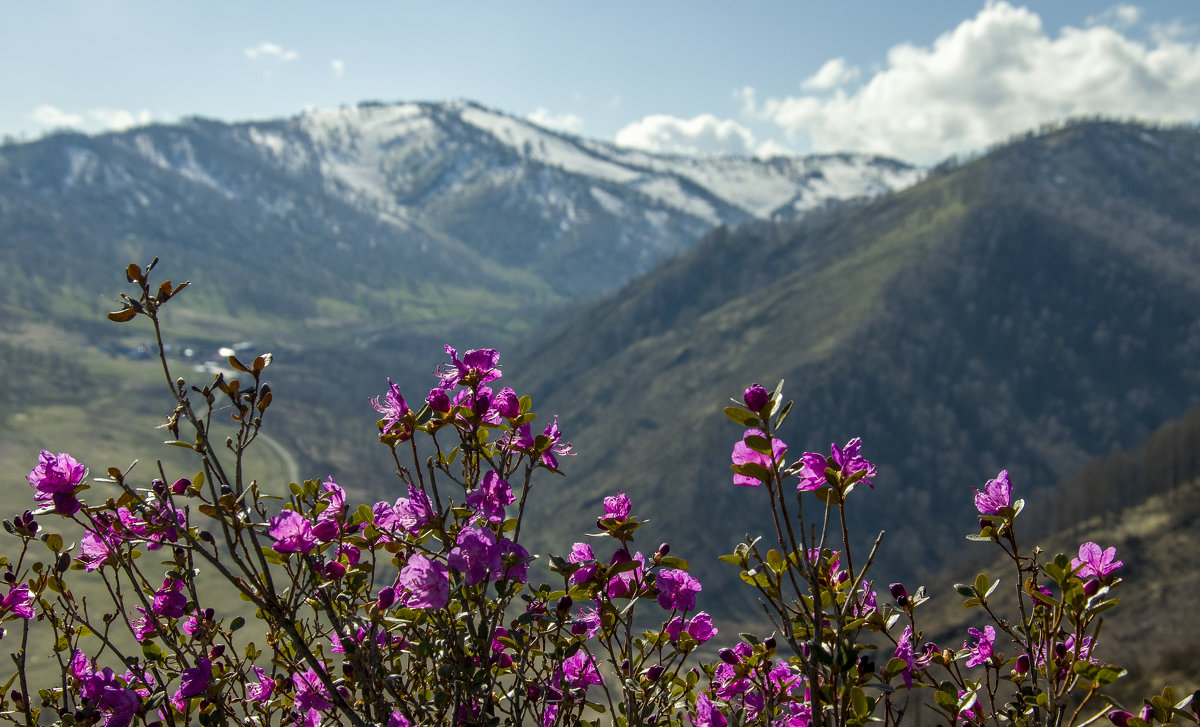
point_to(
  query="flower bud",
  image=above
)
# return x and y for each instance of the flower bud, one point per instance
(438, 400)
(180, 485)
(654, 672)
(728, 656)
(387, 596)
(756, 397)
(325, 530)
(216, 651)
(334, 570)
(1091, 587)
(900, 593)
(564, 605)
(1022, 665)
(158, 487)
(662, 551)
(625, 666)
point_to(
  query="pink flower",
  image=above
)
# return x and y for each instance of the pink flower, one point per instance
(426, 582)
(743, 454)
(478, 366)
(192, 683)
(491, 497)
(912, 661)
(475, 554)
(579, 670)
(394, 409)
(260, 690)
(1094, 562)
(616, 507)
(19, 601)
(292, 532)
(170, 600)
(677, 590)
(981, 650)
(996, 495)
(54, 481)
(311, 694)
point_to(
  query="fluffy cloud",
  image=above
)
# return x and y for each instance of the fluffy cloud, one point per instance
(834, 73)
(1120, 16)
(338, 66)
(55, 118)
(994, 75)
(270, 51)
(703, 134)
(119, 119)
(569, 123)
(99, 119)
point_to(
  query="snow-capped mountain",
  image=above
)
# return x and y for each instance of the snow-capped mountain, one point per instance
(452, 193)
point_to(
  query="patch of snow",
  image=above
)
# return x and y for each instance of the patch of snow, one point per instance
(81, 166)
(670, 191)
(609, 202)
(545, 147)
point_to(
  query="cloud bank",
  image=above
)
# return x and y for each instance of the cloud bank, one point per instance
(994, 75)
(703, 134)
(102, 119)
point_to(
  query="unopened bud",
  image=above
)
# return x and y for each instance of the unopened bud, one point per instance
(654, 672)
(1091, 587)
(1022, 665)
(756, 397)
(387, 596)
(216, 651)
(900, 593)
(728, 656)
(180, 485)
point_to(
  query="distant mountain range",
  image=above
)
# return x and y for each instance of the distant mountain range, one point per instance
(404, 211)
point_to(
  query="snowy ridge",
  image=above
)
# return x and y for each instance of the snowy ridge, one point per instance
(454, 181)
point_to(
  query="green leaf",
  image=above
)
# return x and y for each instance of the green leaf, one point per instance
(964, 590)
(152, 652)
(783, 415)
(742, 416)
(237, 623)
(671, 561)
(981, 584)
(759, 444)
(775, 560)
(54, 542)
(363, 514)
(751, 469)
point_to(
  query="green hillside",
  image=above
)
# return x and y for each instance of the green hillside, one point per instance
(1024, 311)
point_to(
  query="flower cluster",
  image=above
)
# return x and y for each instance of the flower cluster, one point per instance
(423, 609)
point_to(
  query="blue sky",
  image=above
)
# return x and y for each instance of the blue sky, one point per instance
(914, 80)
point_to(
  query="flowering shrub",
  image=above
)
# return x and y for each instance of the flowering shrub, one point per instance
(421, 611)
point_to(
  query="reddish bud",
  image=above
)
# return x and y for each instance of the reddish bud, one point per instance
(756, 397)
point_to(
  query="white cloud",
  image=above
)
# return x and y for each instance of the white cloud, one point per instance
(338, 66)
(569, 123)
(98, 119)
(270, 51)
(119, 119)
(1118, 16)
(831, 75)
(994, 75)
(55, 118)
(703, 134)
